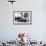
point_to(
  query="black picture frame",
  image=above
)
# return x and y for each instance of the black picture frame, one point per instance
(17, 21)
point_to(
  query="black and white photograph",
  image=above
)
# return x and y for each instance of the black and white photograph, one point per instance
(22, 17)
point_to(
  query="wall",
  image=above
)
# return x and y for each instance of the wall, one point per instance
(9, 31)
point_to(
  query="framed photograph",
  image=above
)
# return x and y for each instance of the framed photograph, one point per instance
(22, 17)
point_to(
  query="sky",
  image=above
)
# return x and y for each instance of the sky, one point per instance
(9, 31)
